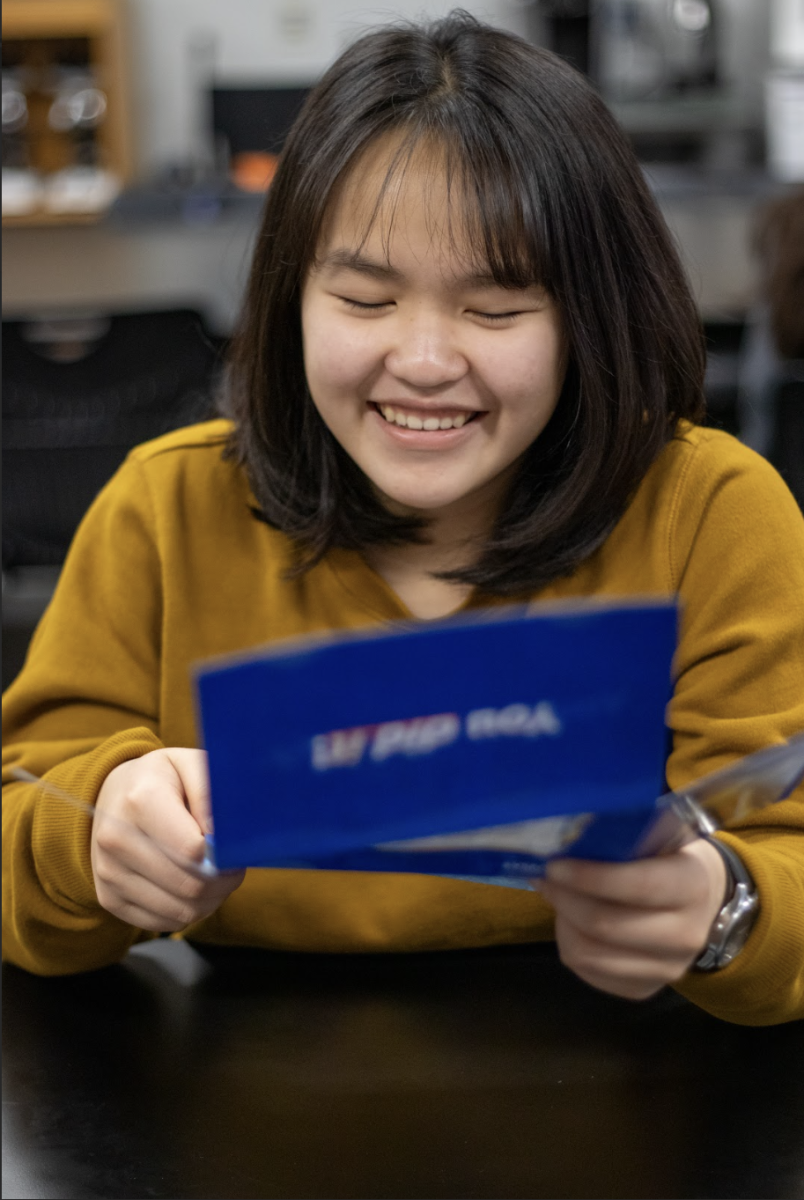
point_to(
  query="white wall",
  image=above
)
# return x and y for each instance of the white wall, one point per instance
(247, 41)
(744, 47)
(787, 32)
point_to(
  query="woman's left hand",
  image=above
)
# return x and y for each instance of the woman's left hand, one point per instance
(631, 928)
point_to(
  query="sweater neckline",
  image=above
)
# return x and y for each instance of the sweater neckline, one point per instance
(367, 588)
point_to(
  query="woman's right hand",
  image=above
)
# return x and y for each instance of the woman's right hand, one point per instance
(147, 835)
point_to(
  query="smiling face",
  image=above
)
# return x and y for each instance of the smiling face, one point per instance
(433, 378)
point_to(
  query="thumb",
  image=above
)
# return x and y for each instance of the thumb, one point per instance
(191, 767)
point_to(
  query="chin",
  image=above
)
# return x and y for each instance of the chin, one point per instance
(415, 502)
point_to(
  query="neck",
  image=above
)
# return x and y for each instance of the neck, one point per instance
(454, 540)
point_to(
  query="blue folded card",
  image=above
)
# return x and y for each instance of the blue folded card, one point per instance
(477, 746)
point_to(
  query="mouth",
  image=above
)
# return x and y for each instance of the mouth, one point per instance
(430, 420)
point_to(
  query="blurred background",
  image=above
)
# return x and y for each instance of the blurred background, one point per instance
(139, 137)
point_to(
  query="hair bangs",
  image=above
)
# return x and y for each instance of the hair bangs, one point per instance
(502, 213)
(493, 223)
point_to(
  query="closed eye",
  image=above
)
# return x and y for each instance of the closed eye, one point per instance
(504, 316)
(369, 306)
(363, 305)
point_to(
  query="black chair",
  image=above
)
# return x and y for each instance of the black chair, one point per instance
(723, 351)
(787, 447)
(79, 392)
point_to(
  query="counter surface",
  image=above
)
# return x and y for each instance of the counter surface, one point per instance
(234, 1073)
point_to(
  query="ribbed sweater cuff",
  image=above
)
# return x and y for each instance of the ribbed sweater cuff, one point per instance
(764, 985)
(61, 832)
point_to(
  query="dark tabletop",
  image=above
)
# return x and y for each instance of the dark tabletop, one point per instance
(231, 1073)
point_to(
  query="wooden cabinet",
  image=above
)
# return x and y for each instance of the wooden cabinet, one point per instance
(68, 149)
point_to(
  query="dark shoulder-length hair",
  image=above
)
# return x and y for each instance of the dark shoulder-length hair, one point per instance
(555, 196)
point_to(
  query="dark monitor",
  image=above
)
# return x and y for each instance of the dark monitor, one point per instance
(255, 118)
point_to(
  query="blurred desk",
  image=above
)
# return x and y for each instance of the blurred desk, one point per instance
(135, 263)
(468, 1074)
(147, 266)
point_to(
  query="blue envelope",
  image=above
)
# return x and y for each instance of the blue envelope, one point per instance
(477, 746)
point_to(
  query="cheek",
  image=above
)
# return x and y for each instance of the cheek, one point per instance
(334, 358)
(528, 377)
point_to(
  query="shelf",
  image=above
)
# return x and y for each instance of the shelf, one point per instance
(56, 19)
(41, 219)
(35, 33)
(703, 112)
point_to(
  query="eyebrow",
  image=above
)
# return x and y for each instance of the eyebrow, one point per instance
(353, 260)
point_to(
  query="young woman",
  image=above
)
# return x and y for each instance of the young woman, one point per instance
(469, 370)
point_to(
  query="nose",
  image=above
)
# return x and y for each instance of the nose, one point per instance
(425, 353)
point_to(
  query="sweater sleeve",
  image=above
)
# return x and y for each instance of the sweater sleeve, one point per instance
(86, 700)
(738, 546)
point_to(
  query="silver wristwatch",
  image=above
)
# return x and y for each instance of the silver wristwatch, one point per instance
(734, 922)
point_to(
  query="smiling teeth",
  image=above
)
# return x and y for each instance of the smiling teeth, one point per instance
(429, 424)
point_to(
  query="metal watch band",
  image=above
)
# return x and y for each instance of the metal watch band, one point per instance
(735, 920)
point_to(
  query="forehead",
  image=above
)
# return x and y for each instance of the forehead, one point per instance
(395, 198)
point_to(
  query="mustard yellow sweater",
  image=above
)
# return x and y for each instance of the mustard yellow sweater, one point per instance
(169, 567)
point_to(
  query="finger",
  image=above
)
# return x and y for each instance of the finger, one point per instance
(670, 934)
(139, 859)
(134, 851)
(132, 897)
(158, 809)
(141, 918)
(669, 881)
(620, 972)
(626, 985)
(141, 903)
(191, 767)
(152, 882)
(121, 845)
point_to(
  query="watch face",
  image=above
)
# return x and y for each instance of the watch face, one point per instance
(742, 926)
(740, 914)
(731, 929)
